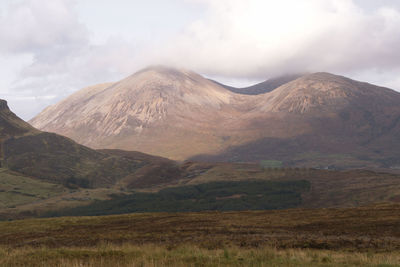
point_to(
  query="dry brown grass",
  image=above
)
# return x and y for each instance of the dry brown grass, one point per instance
(374, 228)
(367, 236)
(153, 255)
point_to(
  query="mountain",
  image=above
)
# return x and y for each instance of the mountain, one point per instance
(159, 110)
(316, 120)
(324, 119)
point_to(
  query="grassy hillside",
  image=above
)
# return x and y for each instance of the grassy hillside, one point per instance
(366, 236)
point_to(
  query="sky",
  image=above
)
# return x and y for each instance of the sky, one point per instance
(52, 48)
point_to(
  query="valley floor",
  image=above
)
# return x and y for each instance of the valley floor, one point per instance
(365, 236)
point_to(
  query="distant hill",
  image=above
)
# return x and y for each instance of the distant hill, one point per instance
(318, 120)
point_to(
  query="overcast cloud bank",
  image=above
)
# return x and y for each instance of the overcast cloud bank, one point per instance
(48, 51)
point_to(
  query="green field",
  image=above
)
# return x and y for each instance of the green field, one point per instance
(222, 196)
(16, 189)
(271, 163)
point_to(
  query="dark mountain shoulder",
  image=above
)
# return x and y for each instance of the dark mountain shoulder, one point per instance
(154, 172)
(57, 159)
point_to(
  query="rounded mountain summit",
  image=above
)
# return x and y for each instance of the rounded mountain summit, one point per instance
(298, 119)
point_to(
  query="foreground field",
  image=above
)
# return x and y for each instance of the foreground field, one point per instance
(151, 255)
(315, 237)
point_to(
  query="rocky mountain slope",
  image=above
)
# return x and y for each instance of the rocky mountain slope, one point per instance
(324, 119)
(180, 111)
(317, 119)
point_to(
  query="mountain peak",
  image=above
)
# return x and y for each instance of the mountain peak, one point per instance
(326, 77)
(132, 106)
(321, 92)
(161, 69)
(165, 72)
(172, 86)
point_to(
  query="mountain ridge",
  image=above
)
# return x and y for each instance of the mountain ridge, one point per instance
(262, 87)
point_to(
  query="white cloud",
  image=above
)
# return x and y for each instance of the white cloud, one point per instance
(58, 44)
(34, 25)
(258, 38)
(51, 54)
